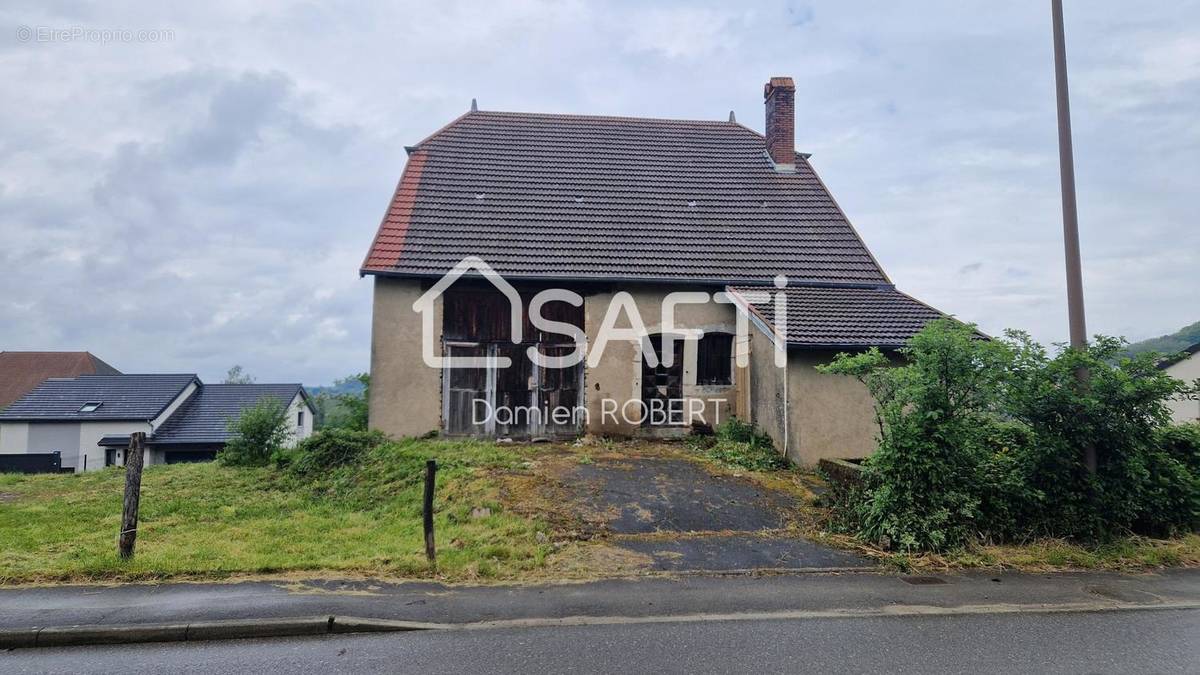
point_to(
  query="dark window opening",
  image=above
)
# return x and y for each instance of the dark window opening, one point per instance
(713, 355)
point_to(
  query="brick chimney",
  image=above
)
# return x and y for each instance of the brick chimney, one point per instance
(780, 96)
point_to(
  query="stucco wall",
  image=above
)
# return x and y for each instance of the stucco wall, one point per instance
(52, 436)
(405, 394)
(618, 376)
(767, 388)
(830, 415)
(1187, 370)
(14, 437)
(298, 433)
(90, 434)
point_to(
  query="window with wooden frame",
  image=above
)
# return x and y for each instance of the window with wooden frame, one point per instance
(714, 352)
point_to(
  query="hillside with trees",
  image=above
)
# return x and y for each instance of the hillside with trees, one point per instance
(1169, 344)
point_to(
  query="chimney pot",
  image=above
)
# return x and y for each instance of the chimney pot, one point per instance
(780, 98)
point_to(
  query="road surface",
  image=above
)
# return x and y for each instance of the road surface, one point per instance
(1159, 641)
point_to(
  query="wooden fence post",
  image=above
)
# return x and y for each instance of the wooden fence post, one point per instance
(430, 473)
(133, 494)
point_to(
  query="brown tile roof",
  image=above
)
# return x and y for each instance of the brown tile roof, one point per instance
(21, 372)
(612, 198)
(843, 317)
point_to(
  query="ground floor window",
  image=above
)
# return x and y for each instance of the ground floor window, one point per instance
(714, 353)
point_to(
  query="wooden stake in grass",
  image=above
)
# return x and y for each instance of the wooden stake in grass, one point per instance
(427, 508)
(133, 495)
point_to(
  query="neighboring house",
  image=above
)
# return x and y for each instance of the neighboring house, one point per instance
(604, 206)
(89, 419)
(20, 372)
(1188, 370)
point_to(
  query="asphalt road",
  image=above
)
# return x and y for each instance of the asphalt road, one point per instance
(1161, 641)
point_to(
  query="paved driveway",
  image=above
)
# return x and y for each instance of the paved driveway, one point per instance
(684, 516)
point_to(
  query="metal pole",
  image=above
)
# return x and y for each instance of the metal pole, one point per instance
(1070, 214)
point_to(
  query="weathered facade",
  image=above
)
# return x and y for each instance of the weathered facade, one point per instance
(606, 398)
(621, 213)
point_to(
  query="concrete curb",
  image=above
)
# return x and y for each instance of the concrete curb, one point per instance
(233, 629)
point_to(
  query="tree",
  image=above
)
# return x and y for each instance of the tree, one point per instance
(347, 410)
(356, 405)
(257, 434)
(237, 375)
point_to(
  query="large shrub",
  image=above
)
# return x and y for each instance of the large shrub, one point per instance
(331, 448)
(934, 414)
(1118, 410)
(257, 434)
(985, 439)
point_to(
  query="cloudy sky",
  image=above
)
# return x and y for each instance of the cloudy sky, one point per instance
(202, 194)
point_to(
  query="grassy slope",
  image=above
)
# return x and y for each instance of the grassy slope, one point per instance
(206, 519)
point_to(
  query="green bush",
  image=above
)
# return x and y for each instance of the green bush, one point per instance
(984, 439)
(921, 485)
(331, 448)
(740, 444)
(257, 434)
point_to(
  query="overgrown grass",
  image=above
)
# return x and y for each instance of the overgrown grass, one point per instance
(1125, 554)
(212, 520)
(740, 445)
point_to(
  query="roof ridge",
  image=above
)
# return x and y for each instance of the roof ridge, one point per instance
(589, 116)
(255, 384)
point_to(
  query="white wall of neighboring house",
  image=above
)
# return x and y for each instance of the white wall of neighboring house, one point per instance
(1183, 410)
(56, 436)
(90, 434)
(14, 437)
(300, 429)
(76, 441)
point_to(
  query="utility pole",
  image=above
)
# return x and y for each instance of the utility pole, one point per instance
(1066, 160)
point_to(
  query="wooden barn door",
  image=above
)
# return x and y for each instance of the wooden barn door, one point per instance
(662, 387)
(560, 389)
(462, 389)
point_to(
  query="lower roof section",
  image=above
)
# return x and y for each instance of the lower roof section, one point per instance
(838, 317)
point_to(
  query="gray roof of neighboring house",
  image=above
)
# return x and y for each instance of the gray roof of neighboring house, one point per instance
(556, 197)
(121, 397)
(844, 317)
(205, 416)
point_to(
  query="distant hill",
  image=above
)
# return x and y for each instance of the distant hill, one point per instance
(347, 386)
(1169, 344)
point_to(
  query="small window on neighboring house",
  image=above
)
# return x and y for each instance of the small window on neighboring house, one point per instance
(300, 419)
(713, 355)
(91, 406)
